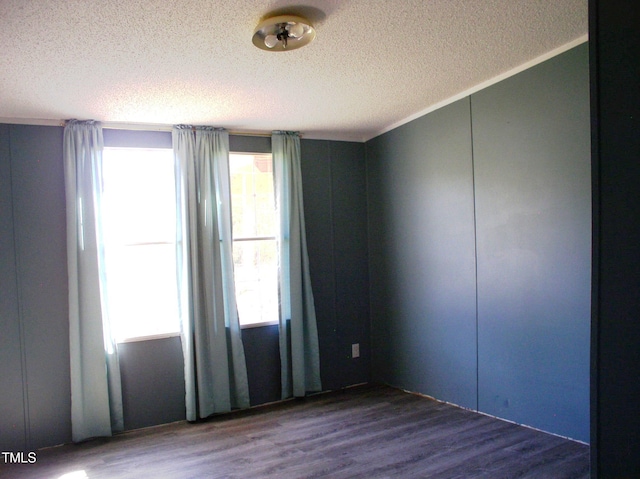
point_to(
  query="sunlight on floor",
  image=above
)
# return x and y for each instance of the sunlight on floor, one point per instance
(74, 475)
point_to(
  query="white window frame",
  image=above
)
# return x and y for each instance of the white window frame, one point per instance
(255, 238)
(146, 337)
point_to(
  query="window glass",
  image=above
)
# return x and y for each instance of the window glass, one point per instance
(254, 234)
(139, 224)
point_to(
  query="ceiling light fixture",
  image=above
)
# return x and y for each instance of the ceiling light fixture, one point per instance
(282, 33)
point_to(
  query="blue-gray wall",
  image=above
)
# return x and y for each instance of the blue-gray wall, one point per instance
(335, 202)
(12, 401)
(335, 215)
(480, 244)
(152, 374)
(422, 250)
(34, 335)
(533, 208)
(35, 403)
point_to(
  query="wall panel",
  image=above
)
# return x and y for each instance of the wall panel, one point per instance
(152, 374)
(422, 251)
(513, 161)
(262, 355)
(349, 212)
(12, 406)
(532, 172)
(40, 232)
(316, 179)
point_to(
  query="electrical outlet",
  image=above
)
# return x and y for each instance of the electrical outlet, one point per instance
(355, 350)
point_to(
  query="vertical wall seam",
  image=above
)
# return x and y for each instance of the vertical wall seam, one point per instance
(333, 243)
(475, 252)
(368, 246)
(372, 352)
(21, 327)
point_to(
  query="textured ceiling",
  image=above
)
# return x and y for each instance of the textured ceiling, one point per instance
(373, 65)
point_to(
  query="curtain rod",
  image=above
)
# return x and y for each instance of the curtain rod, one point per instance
(163, 127)
(125, 126)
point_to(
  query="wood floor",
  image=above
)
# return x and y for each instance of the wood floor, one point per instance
(363, 432)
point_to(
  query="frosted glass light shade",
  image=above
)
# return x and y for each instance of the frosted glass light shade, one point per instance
(271, 41)
(290, 32)
(296, 30)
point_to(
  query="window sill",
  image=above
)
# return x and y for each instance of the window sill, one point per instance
(258, 325)
(151, 337)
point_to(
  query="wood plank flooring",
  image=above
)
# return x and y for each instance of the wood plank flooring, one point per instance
(362, 432)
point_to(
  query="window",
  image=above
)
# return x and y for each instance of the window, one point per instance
(254, 238)
(139, 224)
(139, 221)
